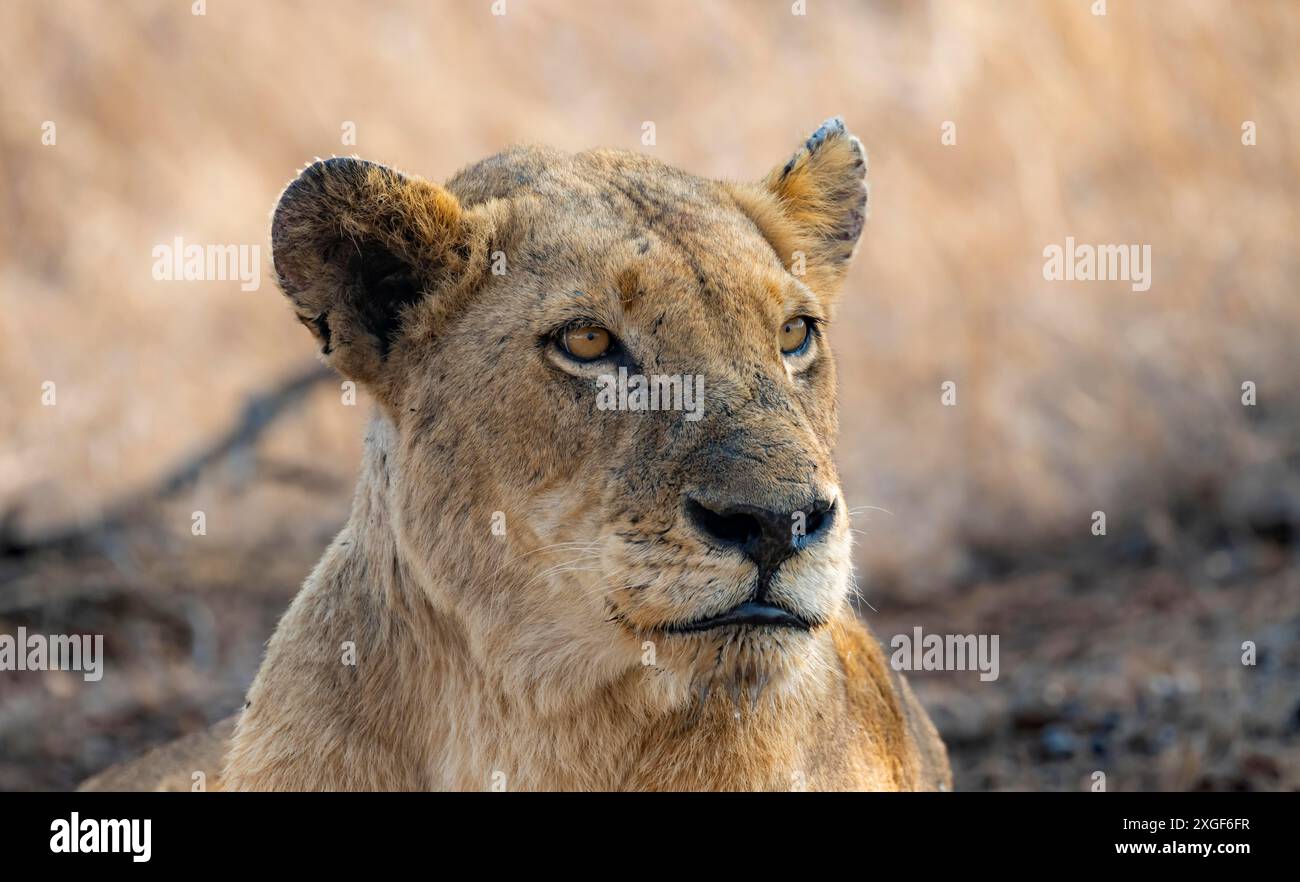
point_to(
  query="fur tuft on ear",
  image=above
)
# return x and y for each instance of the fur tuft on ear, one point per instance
(813, 207)
(355, 244)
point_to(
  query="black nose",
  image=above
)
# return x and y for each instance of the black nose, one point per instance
(768, 536)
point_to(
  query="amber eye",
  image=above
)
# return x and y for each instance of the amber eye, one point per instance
(794, 334)
(587, 343)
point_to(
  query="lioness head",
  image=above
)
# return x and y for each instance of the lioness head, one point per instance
(607, 403)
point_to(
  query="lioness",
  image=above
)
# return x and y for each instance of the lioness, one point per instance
(537, 590)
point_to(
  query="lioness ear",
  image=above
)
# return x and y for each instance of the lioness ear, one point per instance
(354, 245)
(812, 208)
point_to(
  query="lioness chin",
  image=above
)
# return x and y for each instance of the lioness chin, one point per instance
(544, 588)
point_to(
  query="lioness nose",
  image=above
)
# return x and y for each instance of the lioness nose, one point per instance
(766, 535)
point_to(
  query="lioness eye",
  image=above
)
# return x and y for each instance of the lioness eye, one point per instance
(586, 343)
(794, 334)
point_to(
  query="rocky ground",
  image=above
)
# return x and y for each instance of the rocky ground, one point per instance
(1135, 673)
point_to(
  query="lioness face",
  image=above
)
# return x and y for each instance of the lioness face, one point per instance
(612, 400)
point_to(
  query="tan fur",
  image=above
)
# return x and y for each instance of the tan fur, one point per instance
(538, 659)
(184, 765)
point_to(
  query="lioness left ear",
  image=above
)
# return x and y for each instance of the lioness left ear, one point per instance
(355, 245)
(812, 208)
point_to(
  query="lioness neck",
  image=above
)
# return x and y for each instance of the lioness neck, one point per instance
(368, 685)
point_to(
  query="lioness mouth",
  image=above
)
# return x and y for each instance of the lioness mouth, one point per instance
(747, 613)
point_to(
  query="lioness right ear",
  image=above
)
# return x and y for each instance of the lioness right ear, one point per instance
(355, 244)
(812, 207)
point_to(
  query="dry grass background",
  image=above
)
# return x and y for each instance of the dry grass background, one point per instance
(1119, 653)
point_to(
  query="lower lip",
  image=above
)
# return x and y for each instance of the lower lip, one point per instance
(747, 614)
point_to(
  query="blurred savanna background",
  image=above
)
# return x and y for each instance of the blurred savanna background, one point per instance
(1168, 124)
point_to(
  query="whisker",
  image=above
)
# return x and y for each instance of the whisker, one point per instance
(861, 508)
